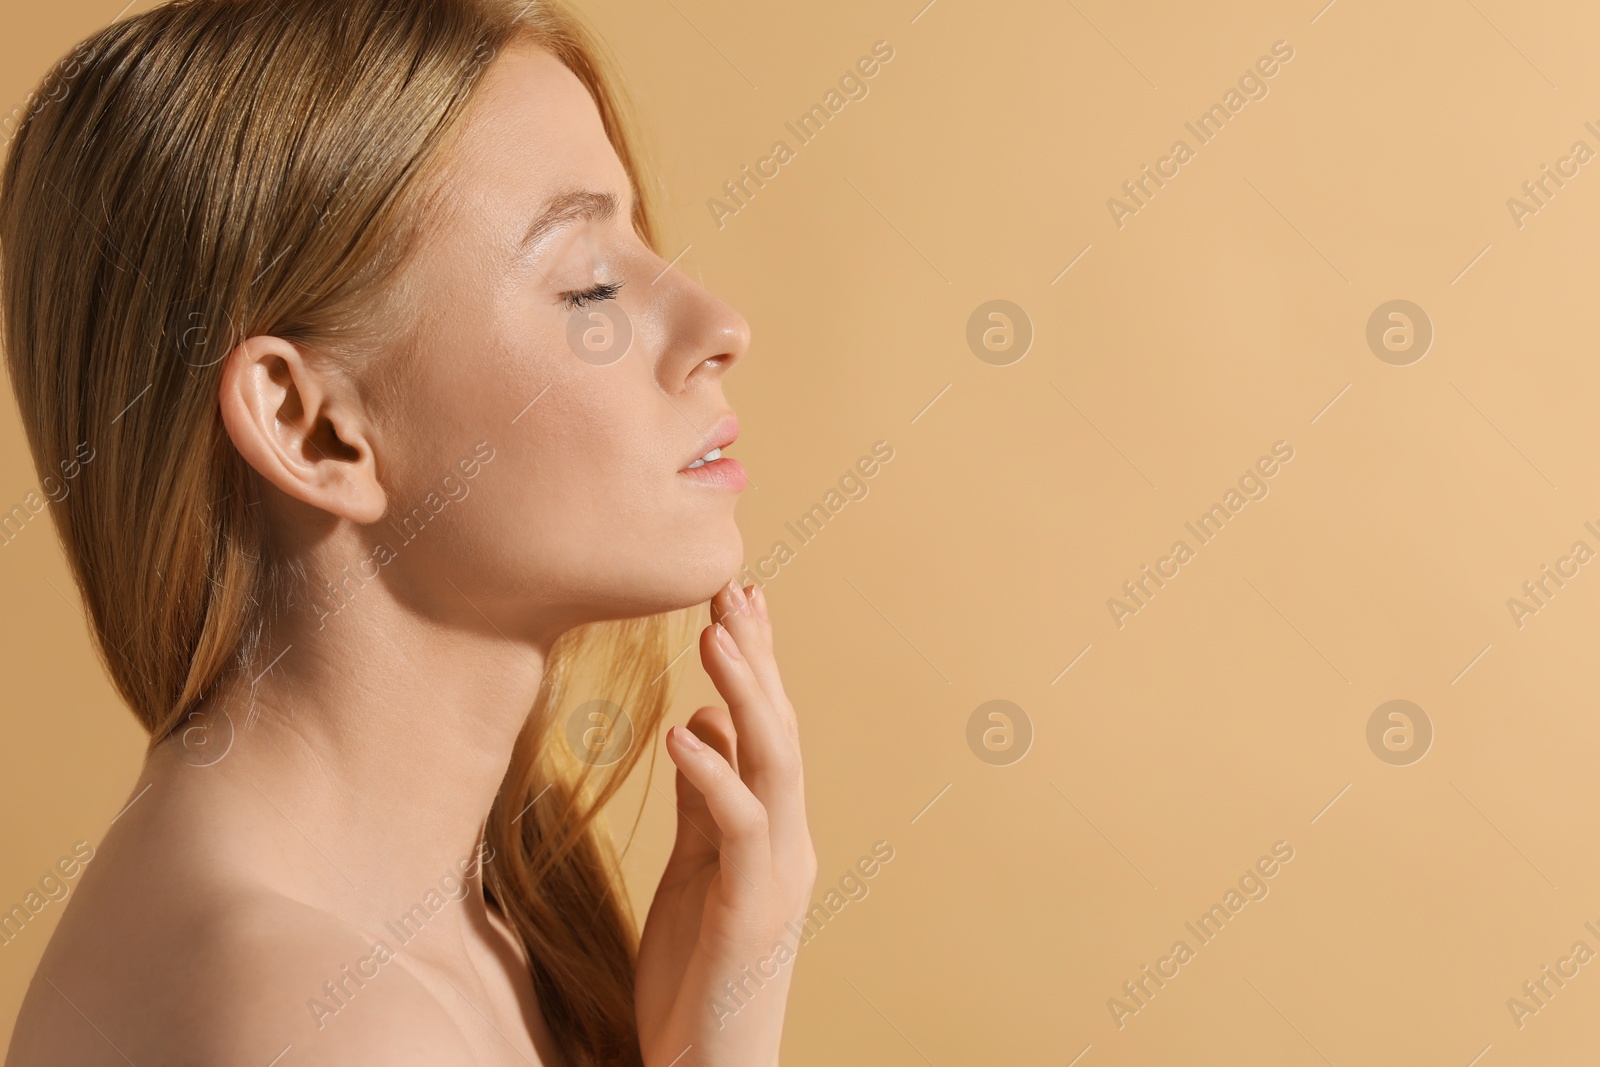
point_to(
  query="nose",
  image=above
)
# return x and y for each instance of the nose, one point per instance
(703, 335)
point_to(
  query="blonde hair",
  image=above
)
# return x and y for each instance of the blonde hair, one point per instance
(213, 170)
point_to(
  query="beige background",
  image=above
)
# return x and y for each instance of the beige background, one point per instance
(1226, 315)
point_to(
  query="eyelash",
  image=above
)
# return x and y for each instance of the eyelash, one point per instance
(573, 301)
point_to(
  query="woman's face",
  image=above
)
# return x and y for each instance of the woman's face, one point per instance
(584, 508)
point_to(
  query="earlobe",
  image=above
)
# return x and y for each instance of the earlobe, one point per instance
(299, 423)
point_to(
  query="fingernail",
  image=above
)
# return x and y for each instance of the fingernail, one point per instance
(759, 600)
(725, 639)
(736, 594)
(687, 737)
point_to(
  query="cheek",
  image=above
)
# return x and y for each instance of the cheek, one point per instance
(581, 502)
(582, 478)
(593, 496)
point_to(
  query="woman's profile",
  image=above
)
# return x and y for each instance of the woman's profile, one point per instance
(398, 445)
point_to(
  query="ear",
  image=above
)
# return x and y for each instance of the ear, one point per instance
(300, 425)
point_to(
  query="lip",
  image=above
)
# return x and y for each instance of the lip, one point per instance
(727, 472)
(724, 473)
(723, 434)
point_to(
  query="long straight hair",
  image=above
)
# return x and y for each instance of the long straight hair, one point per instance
(213, 170)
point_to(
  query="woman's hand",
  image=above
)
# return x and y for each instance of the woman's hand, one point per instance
(719, 943)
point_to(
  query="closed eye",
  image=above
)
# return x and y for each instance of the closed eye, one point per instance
(599, 293)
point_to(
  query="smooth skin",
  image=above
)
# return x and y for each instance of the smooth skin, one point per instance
(307, 809)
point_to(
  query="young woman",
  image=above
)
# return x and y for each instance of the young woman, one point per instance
(395, 441)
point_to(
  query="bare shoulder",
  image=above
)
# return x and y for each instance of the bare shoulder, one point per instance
(245, 976)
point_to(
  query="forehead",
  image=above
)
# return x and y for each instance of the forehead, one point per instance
(532, 131)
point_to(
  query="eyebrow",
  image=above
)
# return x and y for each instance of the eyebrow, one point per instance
(564, 208)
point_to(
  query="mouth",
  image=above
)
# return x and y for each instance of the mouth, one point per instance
(712, 467)
(710, 457)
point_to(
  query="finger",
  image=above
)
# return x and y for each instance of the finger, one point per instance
(698, 838)
(745, 849)
(714, 726)
(769, 751)
(743, 612)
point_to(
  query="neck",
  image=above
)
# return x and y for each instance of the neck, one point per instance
(382, 737)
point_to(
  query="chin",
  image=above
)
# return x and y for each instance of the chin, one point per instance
(672, 580)
(700, 574)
